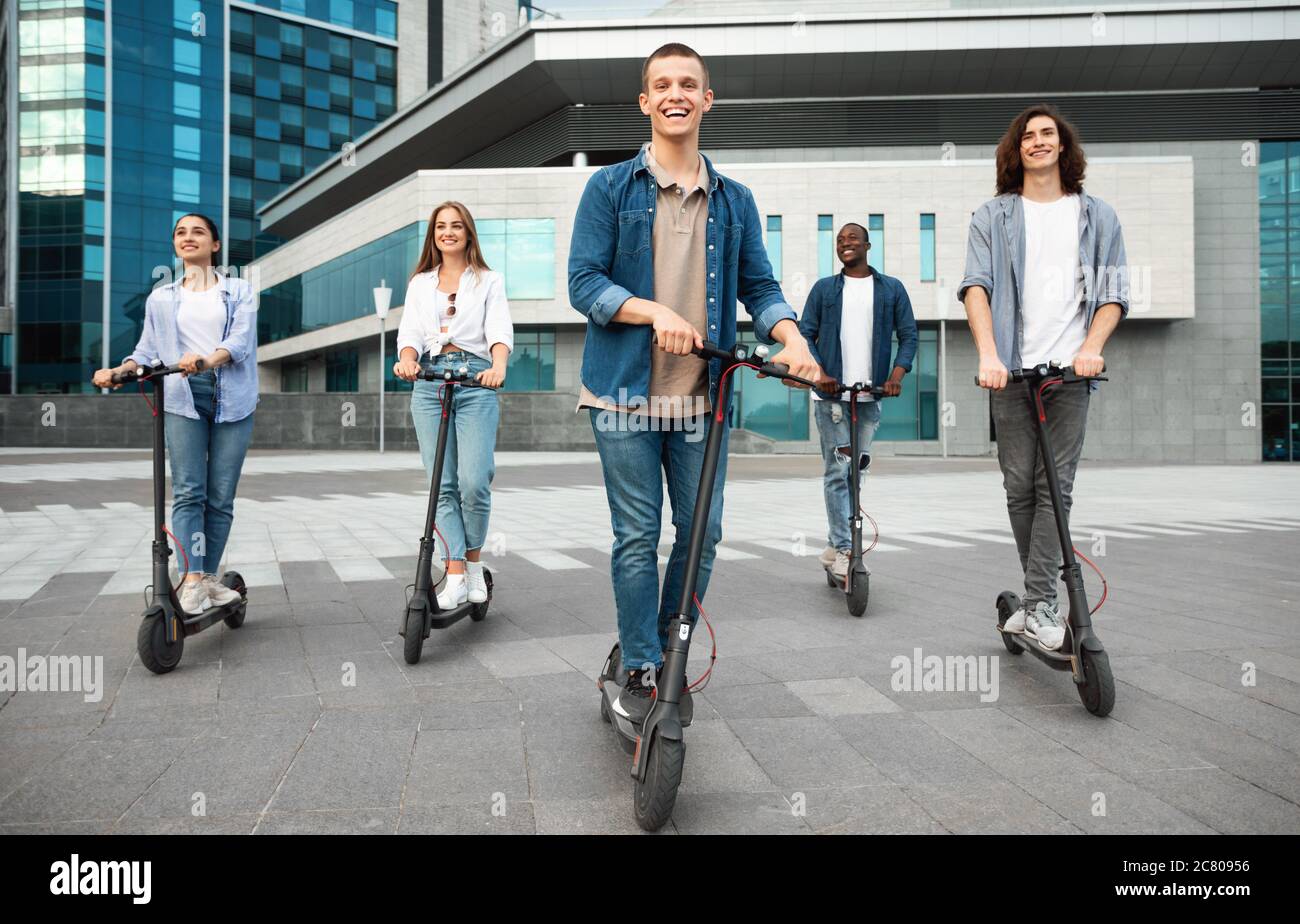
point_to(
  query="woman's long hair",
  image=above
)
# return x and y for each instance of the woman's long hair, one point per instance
(212, 229)
(431, 256)
(1072, 163)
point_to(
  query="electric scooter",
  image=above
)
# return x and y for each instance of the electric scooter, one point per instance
(160, 640)
(1081, 653)
(422, 613)
(657, 747)
(857, 582)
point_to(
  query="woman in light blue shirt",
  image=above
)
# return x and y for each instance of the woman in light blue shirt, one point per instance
(203, 317)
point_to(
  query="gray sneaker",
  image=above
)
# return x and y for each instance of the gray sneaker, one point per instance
(1044, 624)
(193, 597)
(827, 557)
(1015, 623)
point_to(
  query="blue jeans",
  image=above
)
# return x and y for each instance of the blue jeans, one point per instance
(206, 460)
(465, 495)
(632, 461)
(837, 471)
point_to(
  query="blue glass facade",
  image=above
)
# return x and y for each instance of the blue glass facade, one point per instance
(298, 94)
(61, 134)
(341, 289)
(1279, 299)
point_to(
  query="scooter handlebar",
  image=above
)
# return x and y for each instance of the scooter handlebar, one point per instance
(710, 350)
(1040, 373)
(145, 373)
(462, 377)
(864, 388)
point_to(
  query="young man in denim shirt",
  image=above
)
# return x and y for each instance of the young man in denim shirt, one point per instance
(850, 321)
(663, 246)
(1046, 280)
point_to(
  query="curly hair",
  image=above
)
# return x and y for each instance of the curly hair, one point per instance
(1072, 164)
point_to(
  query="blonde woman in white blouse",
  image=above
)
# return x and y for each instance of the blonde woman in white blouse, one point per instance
(456, 315)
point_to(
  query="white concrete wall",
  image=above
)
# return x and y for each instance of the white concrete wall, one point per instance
(1153, 196)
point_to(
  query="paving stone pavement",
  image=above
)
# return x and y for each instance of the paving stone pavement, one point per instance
(803, 728)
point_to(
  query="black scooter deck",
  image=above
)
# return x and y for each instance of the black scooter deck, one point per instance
(1061, 660)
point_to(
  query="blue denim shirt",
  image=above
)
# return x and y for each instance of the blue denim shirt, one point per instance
(995, 261)
(236, 390)
(891, 313)
(611, 260)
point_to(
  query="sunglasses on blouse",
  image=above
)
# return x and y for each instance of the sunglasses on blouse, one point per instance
(451, 304)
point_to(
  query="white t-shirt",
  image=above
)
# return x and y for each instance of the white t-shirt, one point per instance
(857, 320)
(200, 320)
(1052, 324)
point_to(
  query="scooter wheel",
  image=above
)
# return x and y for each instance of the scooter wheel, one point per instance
(859, 595)
(1008, 603)
(1098, 688)
(830, 580)
(478, 612)
(236, 618)
(655, 798)
(413, 640)
(151, 643)
(604, 708)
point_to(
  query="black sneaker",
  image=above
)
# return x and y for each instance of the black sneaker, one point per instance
(634, 700)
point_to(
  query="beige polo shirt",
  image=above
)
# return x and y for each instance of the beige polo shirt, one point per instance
(679, 385)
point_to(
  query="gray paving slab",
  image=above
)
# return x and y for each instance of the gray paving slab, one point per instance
(308, 719)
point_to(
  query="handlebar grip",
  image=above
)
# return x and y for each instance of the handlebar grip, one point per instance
(125, 378)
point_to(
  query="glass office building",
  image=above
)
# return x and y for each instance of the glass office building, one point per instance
(1279, 298)
(121, 129)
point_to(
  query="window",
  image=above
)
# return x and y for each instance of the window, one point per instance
(184, 15)
(293, 377)
(522, 250)
(774, 245)
(186, 142)
(185, 185)
(825, 245)
(927, 248)
(876, 230)
(186, 100)
(914, 414)
(341, 370)
(766, 406)
(1279, 298)
(532, 361)
(185, 57)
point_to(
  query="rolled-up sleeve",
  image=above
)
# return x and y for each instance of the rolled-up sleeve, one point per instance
(591, 254)
(497, 326)
(979, 255)
(241, 341)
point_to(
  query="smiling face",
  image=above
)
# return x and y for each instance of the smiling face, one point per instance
(450, 234)
(194, 242)
(675, 96)
(1040, 144)
(851, 246)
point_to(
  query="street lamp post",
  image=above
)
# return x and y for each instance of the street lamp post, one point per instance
(383, 295)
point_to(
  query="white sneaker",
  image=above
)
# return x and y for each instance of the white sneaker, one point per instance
(218, 593)
(193, 597)
(827, 557)
(453, 593)
(840, 567)
(1044, 624)
(476, 584)
(1015, 623)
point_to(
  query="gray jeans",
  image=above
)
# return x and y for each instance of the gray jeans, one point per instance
(1029, 503)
